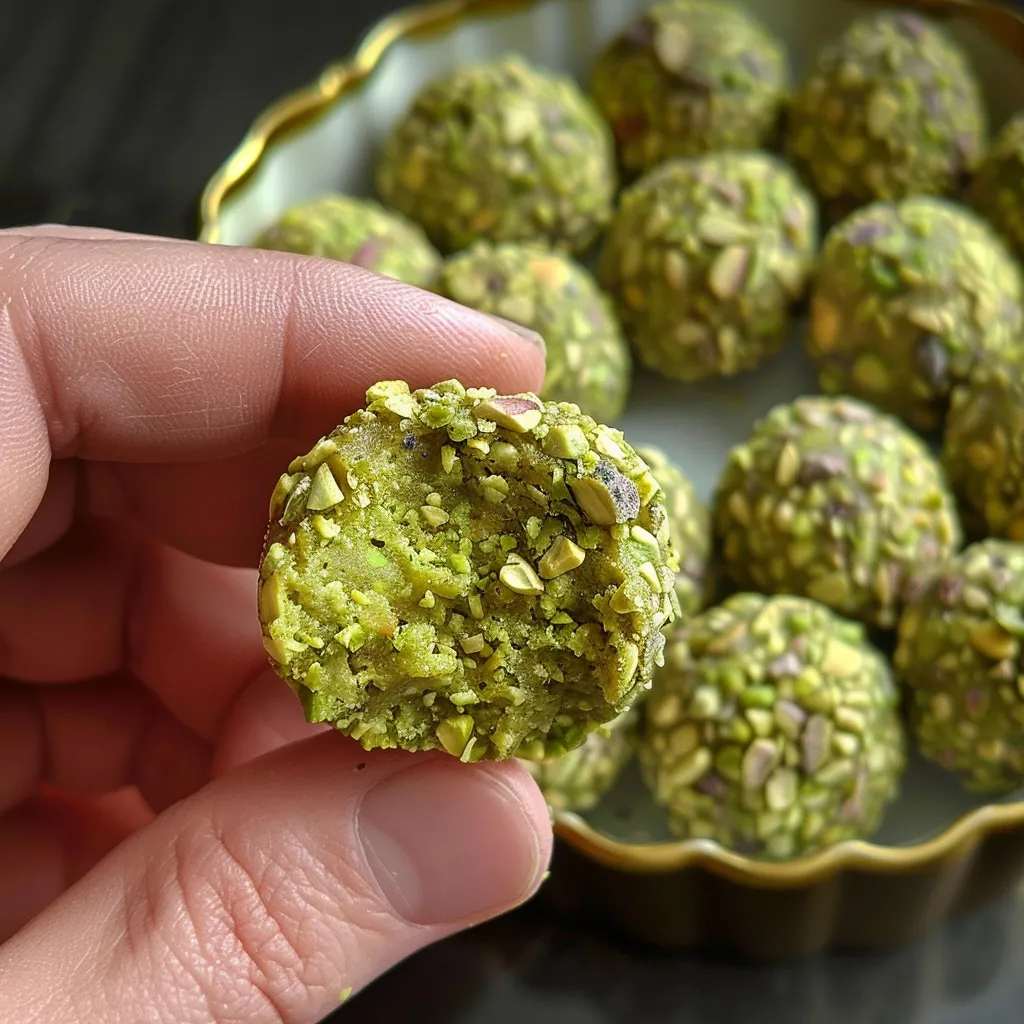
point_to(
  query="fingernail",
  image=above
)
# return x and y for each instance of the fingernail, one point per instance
(523, 332)
(447, 842)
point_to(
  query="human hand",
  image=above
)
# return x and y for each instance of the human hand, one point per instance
(184, 846)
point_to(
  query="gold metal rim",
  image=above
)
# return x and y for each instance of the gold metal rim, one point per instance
(960, 838)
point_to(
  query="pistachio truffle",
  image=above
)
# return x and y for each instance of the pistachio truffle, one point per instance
(357, 231)
(984, 449)
(689, 527)
(452, 568)
(501, 151)
(588, 361)
(907, 297)
(690, 77)
(577, 780)
(773, 728)
(835, 501)
(705, 258)
(888, 110)
(997, 191)
(961, 654)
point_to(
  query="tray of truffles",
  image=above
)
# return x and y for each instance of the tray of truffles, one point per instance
(742, 586)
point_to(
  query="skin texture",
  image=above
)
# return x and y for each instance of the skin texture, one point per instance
(293, 867)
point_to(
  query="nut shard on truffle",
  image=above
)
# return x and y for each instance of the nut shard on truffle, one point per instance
(832, 500)
(773, 729)
(433, 579)
(890, 109)
(961, 654)
(690, 77)
(907, 298)
(360, 232)
(504, 152)
(705, 258)
(997, 190)
(588, 361)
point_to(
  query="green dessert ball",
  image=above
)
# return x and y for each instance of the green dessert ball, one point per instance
(456, 569)
(906, 298)
(888, 110)
(773, 729)
(832, 500)
(984, 449)
(577, 780)
(690, 77)
(360, 232)
(501, 151)
(689, 527)
(961, 656)
(705, 258)
(997, 191)
(588, 361)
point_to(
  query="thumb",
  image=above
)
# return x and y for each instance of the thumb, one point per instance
(279, 886)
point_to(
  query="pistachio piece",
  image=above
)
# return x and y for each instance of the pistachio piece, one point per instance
(563, 556)
(513, 412)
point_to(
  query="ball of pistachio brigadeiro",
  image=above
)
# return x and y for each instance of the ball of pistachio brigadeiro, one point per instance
(997, 189)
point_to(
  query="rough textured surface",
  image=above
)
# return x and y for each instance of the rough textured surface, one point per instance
(834, 501)
(504, 152)
(773, 728)
(704, 259)
(690, 77)
(456, 569)
(358, 231)
(888, 110)
(577, 780)
(961, 653)
(689, 525)
(588, 360)
(997, 191)
(907, 297)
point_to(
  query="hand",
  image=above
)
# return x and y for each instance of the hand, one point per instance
(181, 844)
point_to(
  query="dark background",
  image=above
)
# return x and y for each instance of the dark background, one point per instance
(115, 113)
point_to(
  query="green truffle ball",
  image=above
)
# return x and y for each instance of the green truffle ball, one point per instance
(456, 569)
(961, 655)
(588, 361)
(505, 152)
(357, 231)
(577, 780)
(689, 527)
(889, 110)
(997, 191)
(773, 729)
(690, 77)
(907, 297)
(984, 449)
(834, 501)
(705, 258)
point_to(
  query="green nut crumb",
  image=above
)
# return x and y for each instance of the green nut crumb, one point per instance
(888, 110)
(997, 190)
(835, 501)
(690, 77)
(907, 297)
(588, 361)
(773, 729)
(501, 151)
(961, 656)
(360, 232)
(476, 595)
(705, 259)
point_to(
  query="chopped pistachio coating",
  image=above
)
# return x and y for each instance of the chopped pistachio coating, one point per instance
(689, 527)
(906, 298)
(577, 780)
(889, 110)
(456, 569)
(357, 231)
(832, 500)
(690, 77)
(588, 361)
(984, 449)
(501, 151)
(705, 258)
(773, 728)
(961, 654)
(997, 191)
